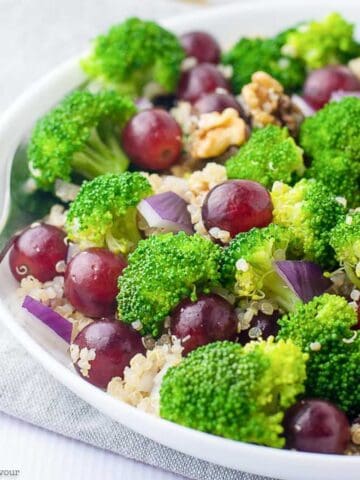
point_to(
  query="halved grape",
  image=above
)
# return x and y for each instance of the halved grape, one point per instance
(320, 84)
(105, 348)
(38, 251)
(261, 326)
(318, 426)
(237, 206)
(152, 139)
(208, 319)
(91, 281)
(201, 45)
(199, 80)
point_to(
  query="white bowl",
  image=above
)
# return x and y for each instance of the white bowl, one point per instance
(227, 23)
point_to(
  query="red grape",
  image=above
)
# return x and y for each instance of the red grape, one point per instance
(262, 326)
(316, 426)
(201, 45)
(320, 84)
(237, 206)
(208, 319)
(112, 343)
(91, 281)
(199, 80)
(37, 251)
(152, 139)
(217, 102)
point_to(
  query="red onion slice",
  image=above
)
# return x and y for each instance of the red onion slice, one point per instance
(303, 105)
(167, 212)
(304, 278)
(49, 317)
(340, 94)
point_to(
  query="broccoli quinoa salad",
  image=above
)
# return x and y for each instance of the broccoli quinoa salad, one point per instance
(203, 258)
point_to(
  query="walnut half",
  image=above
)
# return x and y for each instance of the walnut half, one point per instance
(265, 101)
(216, 133)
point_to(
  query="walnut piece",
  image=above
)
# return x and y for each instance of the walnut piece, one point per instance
(265, 101)
(217, 132)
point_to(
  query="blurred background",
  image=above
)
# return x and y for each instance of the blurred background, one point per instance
(37, 35)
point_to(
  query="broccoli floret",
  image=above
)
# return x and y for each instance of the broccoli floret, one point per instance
(134, 53)
(233, 391)
(310, 211)
(322, 328)
(270, 155)
(336, 127)
(339, 173)
(329, 41)
(345, 240)
(80, 135)
(103, 213)
(250, 55)
(247, 266)
(163, 270)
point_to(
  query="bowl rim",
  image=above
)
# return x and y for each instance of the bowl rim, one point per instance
(162, 431)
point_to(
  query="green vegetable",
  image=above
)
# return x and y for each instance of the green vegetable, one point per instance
(345, 240)
(134, 53)
(235, 392)
(250, 55)
(329, 41)
(270, 155)
(104, 212)
(310, 211)
(247, 265)
(339, 173)
(334, 128)
(322, 328)
(80, 135)
(162, 271)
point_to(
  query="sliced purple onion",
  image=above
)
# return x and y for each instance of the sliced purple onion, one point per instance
(305, 279)
(340, 94)
(49, 317)
(167, 212)
(303, 105)
(143, 103)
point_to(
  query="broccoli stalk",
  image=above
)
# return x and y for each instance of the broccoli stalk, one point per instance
(323, 329)
(345, 240)
(104, 213)
(247, 266)
(163, 270)
(134, 53)
(100, 156)
(81, 135)
(231, 391)
(270, 155)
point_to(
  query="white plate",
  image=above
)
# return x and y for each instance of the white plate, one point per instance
(227, 23)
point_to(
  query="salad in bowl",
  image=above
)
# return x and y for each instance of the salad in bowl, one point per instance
(203, 258)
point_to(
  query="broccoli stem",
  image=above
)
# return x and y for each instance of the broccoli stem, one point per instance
(280, 292)
(349, 269)
(100, 156)
(125, 233)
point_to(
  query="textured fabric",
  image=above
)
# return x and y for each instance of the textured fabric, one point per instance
(28, 392)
